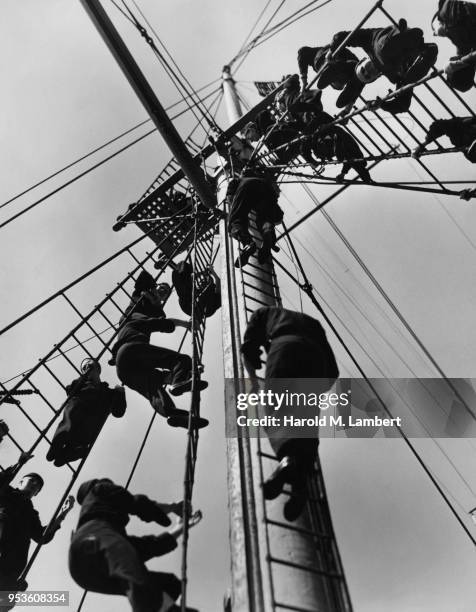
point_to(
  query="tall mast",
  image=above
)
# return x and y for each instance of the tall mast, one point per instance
(275, 565)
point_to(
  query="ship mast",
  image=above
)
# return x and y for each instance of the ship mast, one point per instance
(275, 565)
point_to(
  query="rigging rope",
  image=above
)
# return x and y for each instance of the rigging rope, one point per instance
(136, 460)
(99, 148)
(262, 12)
(369, 356)
(307, 287)
(165, 64)
(275, 30)
(98, 357)
(172, 164)
(85, 172)
(193, 92)
(385, 296)
(324, 180)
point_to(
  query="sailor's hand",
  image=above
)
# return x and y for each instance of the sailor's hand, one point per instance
(251, 366)
(345, 111)
(24, 457)
(211, 271)
(467, 194)
(182, 323)
(253, 380)
(65, 508)
(452, 67)
(178, 528)
(416, 152)
(178, 508)
(375, 104)
(195, 518)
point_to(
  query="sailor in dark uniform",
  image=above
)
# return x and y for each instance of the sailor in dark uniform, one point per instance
(335, 141)
(103, 558)
(207, 293)
(456, 20)
(296, 347)
(397, 52)
(460, 130)
(137, 361)
(300, 108)
(20, 523)
(90, 402)
(259, 195)
(295, 102)
(280, 136)
(344, 63)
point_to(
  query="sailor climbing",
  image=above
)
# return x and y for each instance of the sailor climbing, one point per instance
(137, 360)
(281, 135)
(103, 558)
(327, 141)
(235, 153)
(297, 348)
(295, 102)
(460, 130)
(20, 523)
(207, 291)
(344, 62)
(259, 195)
(321, 143)
(456, 20)
(90, 401)
(397, 52)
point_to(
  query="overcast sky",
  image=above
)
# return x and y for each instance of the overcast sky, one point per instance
(62, 96)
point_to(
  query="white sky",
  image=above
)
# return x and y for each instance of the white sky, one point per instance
(63, 95)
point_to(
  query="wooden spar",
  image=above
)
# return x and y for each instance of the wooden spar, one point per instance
(136, 78)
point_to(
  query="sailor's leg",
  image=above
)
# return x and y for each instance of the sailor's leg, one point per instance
(462, 79)
(268, 235)
(362, 171)
(102, 560)
(238, 229)
(351, 92)
(166, 588)
(470, 153)
(138, 374)
(59, 441)
(400, 104)
(422, 63)
(344, 170)
(333, 71)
